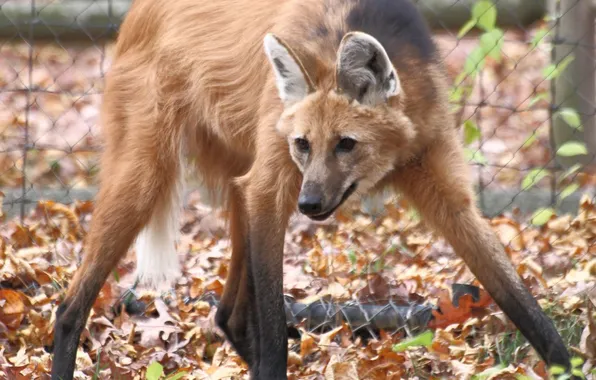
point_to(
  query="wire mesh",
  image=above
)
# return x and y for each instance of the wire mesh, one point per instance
(52, 65)
(52, 86)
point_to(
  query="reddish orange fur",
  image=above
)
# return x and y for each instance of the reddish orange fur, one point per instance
(190, 78)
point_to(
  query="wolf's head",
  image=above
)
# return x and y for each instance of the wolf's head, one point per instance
(345, 138)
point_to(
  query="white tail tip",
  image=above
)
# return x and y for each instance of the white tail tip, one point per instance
(158, 266)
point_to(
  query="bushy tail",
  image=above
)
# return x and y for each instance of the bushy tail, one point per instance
(158, 266)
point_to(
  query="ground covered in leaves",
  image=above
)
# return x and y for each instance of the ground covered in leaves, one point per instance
(356, 259)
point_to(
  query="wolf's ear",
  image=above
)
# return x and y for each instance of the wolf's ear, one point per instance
(364, 71)
(292, 81)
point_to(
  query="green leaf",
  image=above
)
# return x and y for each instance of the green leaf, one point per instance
(413, 214)
(475, 156)
(572, 188)
(572, 148)
(552, 71)
(378, 266)
(542, 215)
(459, 87)
(484, 13)
(530, 141)
(456, 94)
(538, 37)
(421, 340)
(539, 97)
(55, 166)
(475, 61)
(491, 43)
(154, 371)
(454, 108)
(459, 79)
(466, 28)
(571, 117)
(116, 275)
(548, 71)
(578, 372)
(471, 132)
(569, 172)
(576, 361)
(352, 257)
(533, 177)
(98, 365)
(488, 372)
(176, 376)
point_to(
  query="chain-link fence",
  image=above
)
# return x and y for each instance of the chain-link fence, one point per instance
(55, 54)
(523, 95)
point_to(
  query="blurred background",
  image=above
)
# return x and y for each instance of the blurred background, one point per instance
(523, 92)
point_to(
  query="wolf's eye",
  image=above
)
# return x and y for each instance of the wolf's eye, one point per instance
(346, 144)
(302, 145)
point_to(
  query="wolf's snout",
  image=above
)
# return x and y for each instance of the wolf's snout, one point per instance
(310, 204)
(310, 200)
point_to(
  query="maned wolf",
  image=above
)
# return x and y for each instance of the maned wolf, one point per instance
(284, 105)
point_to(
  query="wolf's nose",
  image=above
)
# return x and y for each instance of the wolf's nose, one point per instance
(309, 204)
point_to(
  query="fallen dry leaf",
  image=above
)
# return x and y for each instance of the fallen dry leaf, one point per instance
(12, 308)
(325, 339)
(341, 370)
(451, 314)
(307, 344)
(154, 331)
(588, 339)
